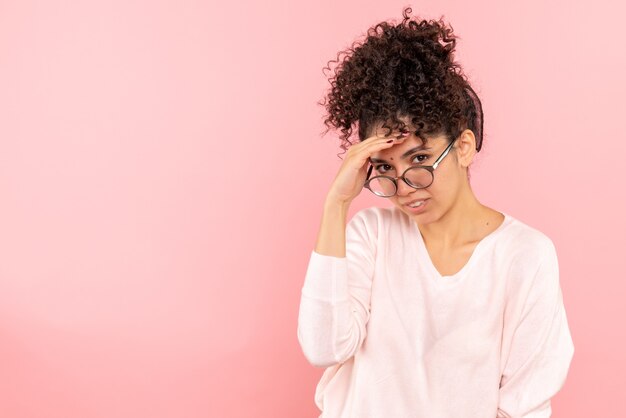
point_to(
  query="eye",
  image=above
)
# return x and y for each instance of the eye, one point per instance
(383, 168)
(380, 167)
(421, 155)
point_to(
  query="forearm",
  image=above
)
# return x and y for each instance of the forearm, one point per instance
(331, 238)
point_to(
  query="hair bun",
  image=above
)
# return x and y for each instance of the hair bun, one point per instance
(403, 69)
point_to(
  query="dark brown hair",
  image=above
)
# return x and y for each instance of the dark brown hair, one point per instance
(403, 70)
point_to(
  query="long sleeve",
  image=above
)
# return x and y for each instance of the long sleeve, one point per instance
(335, 297)
(541, 348)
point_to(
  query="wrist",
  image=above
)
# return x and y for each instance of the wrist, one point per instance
(332, 202)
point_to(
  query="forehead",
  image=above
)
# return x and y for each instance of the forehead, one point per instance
(407, 148)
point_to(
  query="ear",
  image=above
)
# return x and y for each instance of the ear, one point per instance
(466, 147)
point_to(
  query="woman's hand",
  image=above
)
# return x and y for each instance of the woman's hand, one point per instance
(350, 179)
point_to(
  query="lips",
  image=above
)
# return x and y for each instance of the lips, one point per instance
(413, 201)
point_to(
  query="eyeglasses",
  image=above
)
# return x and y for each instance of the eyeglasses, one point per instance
(418, 177)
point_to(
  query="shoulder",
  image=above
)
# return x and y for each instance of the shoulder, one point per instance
(367, 220)
(528, 252)
(378, 219)
(375, 223)
(531, 272)
(372, 214)
(528, 242)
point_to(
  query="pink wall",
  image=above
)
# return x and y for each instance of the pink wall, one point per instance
(153, 237)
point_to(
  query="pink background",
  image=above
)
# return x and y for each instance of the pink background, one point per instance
(162, 176)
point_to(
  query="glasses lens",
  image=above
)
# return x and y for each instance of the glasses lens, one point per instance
(419, 177)
(382, 186)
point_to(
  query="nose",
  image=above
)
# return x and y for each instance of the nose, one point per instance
(403, 188)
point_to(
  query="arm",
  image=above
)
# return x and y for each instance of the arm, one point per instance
(331, 238)
(541, 347)
(335, 298)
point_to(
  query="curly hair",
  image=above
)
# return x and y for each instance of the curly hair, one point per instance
(403, 70)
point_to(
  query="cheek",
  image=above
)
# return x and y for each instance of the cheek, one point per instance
(444, 183)
(443, 178)
(441, 186)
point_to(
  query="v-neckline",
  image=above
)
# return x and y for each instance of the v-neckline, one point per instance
(424, 256)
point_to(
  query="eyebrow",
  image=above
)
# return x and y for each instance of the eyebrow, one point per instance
(405, 155)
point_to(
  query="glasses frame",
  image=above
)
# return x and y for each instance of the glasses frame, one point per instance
(430, 168)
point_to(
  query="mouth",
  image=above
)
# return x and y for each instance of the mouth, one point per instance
(416, 203)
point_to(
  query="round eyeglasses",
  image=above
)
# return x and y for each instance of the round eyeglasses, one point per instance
(418, 177)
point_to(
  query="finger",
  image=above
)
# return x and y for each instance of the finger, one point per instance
(376, 141)
(366, 148)
(399, 137)
(364, 151)
(363, 156)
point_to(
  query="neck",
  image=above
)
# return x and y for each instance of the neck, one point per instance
(458, 226)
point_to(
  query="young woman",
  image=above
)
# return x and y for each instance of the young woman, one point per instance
(438, 306)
